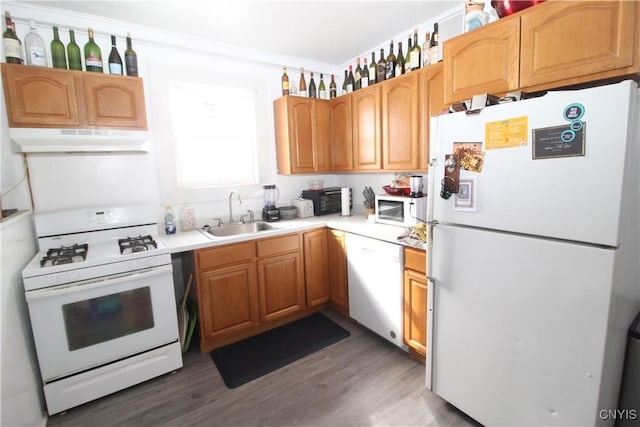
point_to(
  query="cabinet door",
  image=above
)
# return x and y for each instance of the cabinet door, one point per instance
(316, 267)
(431, 103)
(40, 97)
(281, 286)
(341, 138)
(569, 40)
(415, 311)
(366, 129)
(301, 135)
(322, 134)
(114, 101)
(337, 260)
(485, 60)
(227, 301)
(400, 123)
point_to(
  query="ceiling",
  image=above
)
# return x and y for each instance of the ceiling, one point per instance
(333, 32)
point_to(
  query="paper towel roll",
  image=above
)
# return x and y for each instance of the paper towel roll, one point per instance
(344, 193)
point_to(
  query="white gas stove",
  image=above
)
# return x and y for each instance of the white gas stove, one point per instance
(101, 302)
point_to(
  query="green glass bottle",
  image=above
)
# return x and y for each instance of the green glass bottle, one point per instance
(58, 55)
(73, 53)
(322, 89)
(92, 55)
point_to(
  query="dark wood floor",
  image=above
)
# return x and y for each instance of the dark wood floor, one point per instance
(360, 381)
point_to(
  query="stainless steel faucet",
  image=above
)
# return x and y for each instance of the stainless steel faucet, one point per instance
(231, 193)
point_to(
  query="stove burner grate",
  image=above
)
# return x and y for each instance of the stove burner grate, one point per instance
(65, 255)
(136, 244)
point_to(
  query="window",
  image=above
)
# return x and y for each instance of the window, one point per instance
(210, 131)
(215, 134)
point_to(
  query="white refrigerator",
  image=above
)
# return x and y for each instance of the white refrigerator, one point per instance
(533, 264)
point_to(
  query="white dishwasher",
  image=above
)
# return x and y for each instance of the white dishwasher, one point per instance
(375, 274)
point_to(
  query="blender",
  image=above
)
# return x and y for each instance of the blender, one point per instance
(269, 211)
(415, 185)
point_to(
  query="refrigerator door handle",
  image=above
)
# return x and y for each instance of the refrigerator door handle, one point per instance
(432, 222)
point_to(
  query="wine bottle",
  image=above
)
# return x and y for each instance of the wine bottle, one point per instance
(92, 55)
(382, 68)
(350, 80)
(333, 90)
(365, 73)
(285, 82)
(391, 63)
(58, 55)
(11, 42)
(115, 61)
(34, 47)
(73, 53)
(302, 85)
(322, 89)
(130, 59)
(13, 28)
(407, 57)
(344, 85)
(426, 57)
(415, 53)
(399, 62)
(373, 69)
(357, 76)
(433, 46)
(312, 87)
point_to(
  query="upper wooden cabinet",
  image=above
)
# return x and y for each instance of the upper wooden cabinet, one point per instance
(573, 42)
(400, 123)
(553, 44)
(365, 122)
(53, 98)
(341, 136)
(302, 128)
(430, 103)
(483, 60)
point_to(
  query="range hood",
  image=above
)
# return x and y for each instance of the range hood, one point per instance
(41, 140)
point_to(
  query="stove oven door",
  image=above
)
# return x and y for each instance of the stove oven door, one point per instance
(83, 325)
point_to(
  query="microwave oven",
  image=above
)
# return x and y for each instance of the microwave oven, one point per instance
(400, 210)
(326, 201)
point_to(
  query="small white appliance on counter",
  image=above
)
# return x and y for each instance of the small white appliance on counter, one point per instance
(101, 302)
(305, 207)
(403, 211)
(533, 263)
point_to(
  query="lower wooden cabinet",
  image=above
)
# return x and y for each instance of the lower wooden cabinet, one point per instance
(337, 261)
(281, 285)
(316, 267)
(247, 288)
(415, 302)
(228, 300)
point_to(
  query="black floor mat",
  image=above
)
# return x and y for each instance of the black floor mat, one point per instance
(254, 357)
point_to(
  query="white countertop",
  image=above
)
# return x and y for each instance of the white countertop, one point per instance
(357, 224)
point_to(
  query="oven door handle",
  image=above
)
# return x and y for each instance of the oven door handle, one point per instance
(97, 283)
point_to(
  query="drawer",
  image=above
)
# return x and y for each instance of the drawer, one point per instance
(415, 259)
(224, 255)
(278, 245)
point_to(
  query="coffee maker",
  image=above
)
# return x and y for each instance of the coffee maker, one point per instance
(270, 212)
(415, 186)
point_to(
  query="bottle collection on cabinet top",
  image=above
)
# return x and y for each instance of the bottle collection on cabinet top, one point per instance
(35, 51)
(364, 74)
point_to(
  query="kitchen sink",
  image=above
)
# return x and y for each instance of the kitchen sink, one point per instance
(233, 229)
